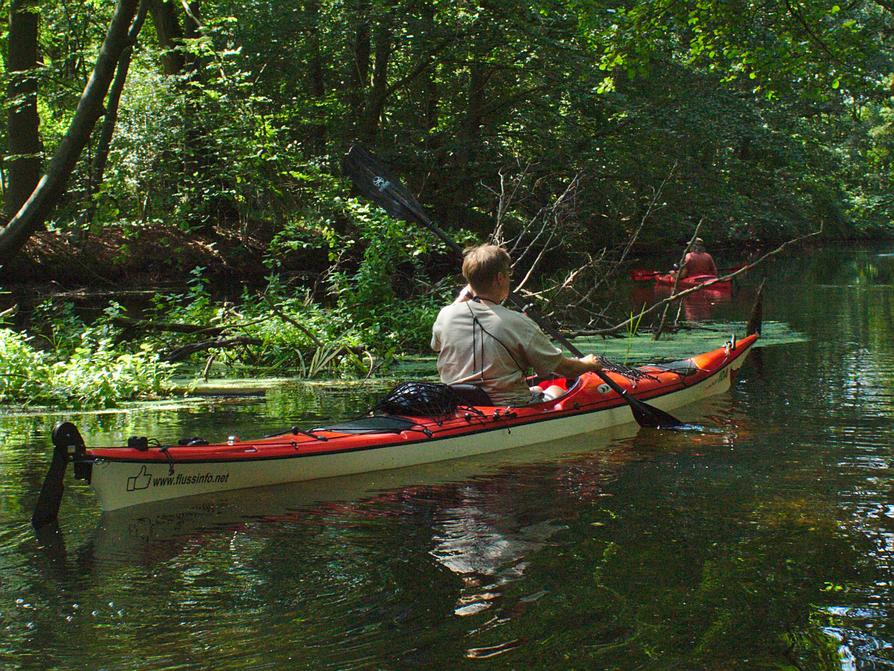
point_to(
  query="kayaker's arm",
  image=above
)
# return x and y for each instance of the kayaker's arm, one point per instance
(574, 367)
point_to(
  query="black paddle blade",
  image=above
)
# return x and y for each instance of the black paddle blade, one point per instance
(644, 414)
(651, 417)
(374, 181)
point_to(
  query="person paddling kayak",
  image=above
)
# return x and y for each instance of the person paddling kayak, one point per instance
(698, 261)
(481, 342)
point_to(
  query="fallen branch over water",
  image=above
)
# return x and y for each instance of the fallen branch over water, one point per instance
(171, 327)
(180, 327)
(217, 343)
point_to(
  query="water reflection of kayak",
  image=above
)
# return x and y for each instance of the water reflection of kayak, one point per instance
(143, 473)
(688, 282)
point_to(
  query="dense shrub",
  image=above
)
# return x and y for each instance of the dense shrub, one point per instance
(93, 375)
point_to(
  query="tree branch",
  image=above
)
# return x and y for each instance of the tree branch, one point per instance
(32, 215)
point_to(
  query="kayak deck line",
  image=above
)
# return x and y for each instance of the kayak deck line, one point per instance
(485, 423)
(127, 476)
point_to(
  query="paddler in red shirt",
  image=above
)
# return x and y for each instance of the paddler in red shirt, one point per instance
(698, 261)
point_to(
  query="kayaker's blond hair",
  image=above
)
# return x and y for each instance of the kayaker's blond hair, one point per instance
(483, 263)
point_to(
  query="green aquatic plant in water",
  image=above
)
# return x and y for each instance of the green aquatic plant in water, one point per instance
(95, 374)
(640, 349)
(633, 330)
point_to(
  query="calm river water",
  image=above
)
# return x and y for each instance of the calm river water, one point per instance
(766, 543)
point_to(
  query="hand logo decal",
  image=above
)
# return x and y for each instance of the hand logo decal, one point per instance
(139, 481)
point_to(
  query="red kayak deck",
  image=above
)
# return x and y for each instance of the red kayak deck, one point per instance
(695, 280)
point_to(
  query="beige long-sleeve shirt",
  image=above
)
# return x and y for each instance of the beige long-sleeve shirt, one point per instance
(470, 353)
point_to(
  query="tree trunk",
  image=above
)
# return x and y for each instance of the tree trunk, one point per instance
(24, 155)
(375, 103)
(474, 117)
(167, 28)
(49, 191)
(360, 66)
(111, 116)
(182, 63)
(200, 155)
(468, 143)
(315, 83)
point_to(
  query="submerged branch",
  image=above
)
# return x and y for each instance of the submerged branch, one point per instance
(172, 327)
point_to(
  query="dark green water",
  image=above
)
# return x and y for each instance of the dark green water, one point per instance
(766, 544)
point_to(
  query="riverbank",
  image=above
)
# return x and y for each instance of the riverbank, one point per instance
(190, 389)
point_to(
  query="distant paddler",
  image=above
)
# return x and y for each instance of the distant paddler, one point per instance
(697, 261)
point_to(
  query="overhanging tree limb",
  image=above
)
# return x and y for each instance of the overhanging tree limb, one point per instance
(33, 214)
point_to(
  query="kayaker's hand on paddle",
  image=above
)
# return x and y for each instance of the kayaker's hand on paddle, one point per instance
(593, 362)
(574, 367)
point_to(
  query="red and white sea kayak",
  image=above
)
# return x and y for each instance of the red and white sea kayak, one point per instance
(128, 476)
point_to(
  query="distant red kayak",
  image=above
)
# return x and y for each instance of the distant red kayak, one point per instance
(690, 281)
(667, 279)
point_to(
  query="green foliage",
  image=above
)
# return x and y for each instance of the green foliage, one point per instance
(70, 364)
(92, 375)
(367, 294)
(773, 117)
(765, 121)
(292, 334)
(102, 375)
(22, 368)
